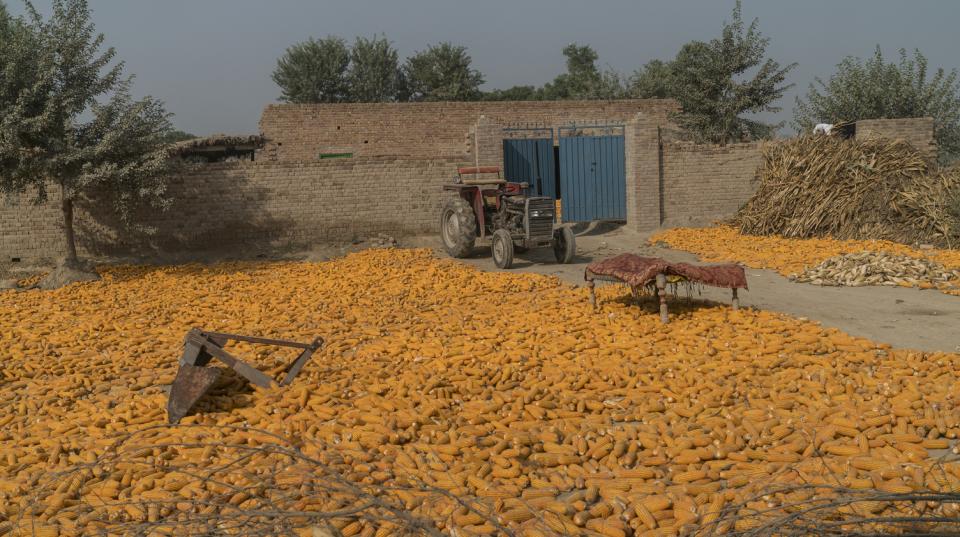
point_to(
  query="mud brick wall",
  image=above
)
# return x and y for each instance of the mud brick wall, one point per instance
(304, 131)
(28, 231)
(249, 207)
(486, 141)
(642, 172)
(916, 131)
(672, 183)
(704, 183)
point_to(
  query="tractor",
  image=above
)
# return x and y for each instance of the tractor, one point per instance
(502, 213)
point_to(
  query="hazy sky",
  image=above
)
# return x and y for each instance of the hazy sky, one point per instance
(211, 60)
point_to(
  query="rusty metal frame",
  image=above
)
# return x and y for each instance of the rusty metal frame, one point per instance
(200, 347)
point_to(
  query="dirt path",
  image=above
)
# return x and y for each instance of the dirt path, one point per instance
(906, 318)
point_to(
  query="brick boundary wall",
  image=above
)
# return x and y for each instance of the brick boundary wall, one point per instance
(916, 131)
(274, 204)
(301, 132)
(706, 183)
(673, 183)
(249, 205)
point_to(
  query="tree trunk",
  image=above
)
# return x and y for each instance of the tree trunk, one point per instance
(67, 206)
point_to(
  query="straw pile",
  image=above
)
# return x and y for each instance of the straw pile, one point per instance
(819, 186)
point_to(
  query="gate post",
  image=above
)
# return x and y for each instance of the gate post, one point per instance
(643, 173)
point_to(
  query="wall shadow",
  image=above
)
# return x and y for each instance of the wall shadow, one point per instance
(216, 213)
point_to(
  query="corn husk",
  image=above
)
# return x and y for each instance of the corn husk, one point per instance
(878, 268)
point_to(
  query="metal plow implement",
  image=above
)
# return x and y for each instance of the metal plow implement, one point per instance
(194, 377)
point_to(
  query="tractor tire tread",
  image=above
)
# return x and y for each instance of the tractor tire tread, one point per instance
(463, 244)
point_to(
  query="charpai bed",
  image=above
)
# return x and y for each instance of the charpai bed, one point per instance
(654, 272)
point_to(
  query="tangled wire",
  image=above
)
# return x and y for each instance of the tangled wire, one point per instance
(827, 510)
(268, 486)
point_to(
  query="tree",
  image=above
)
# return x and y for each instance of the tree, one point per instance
(653, 81)
(583, 79)
(6, 22)
(711, 82)
(70, 122)
(314, 71)
(373, 73)
(177, 135)
(515, 93)
(440, 73)
(874, 89)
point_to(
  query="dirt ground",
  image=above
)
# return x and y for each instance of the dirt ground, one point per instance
(906, 318)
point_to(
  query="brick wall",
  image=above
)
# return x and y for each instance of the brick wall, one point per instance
(29, 231)
(671, 183)
(441, 129)
(642, 170)
(704, 183)
(916, 131)
(253, 205)
(279, 201)
(487, 148)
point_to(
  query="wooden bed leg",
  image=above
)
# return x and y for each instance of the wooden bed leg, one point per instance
(593, 294)
(662, 293)
(736, 300)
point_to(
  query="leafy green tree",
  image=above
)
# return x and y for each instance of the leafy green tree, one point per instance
(374, 71)
(582, 73)
(515, 93)
(875, 88)
(314, 71)
(178, 136)
(440, 73)
(711, 81)
(70, 123)
(6, 22)
(12, 34)
(653, 81)
(583, 79)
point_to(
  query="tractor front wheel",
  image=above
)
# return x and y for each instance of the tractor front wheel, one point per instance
(458, 227)
(502, 249)
(564, 245)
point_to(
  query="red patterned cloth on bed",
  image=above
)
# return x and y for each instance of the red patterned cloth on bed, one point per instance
(639, 271)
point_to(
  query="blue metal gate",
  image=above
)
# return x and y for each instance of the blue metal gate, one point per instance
(531, 160)
(592, 176)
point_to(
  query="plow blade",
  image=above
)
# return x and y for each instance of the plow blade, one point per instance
(191, 383)
(194, 378)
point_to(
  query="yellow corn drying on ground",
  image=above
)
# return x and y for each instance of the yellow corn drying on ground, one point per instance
(506, 389)
(786, 256)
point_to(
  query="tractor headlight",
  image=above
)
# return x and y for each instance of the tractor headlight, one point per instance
(535, 214)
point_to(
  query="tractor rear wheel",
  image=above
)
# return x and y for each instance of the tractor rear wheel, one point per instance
(564, 245)
(458, 227)
(502, 249)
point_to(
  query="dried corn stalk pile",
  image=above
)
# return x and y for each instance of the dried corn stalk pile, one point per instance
(473, 401)
(879, 268)
(823, 186)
